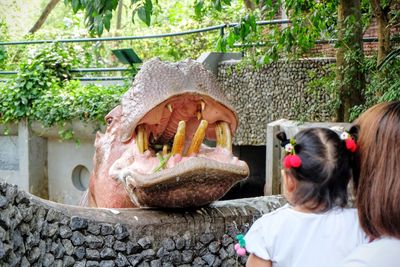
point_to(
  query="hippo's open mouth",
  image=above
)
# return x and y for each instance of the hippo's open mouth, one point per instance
(168, 154)
(176, 128)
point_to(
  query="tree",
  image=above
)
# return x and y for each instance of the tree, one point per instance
(119, 14)
(349, 58)
(310, 21)
(49, 7)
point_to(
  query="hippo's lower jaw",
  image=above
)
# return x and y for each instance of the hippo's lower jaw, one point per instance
(197, 182)
(166, 164)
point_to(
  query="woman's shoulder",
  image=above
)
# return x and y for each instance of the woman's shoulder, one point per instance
(380, 252)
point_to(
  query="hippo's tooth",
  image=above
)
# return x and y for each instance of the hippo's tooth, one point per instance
(201, 107)
(165, 150)
(141, 139)
(219, 135)
(179, 139)
(169, 106)
(223, 134)
(198, 138)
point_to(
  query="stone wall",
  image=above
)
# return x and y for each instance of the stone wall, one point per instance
(272, 92)
(35, 232)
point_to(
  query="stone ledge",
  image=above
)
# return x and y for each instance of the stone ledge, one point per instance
(34, 231)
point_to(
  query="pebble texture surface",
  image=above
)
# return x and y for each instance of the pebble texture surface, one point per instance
(273, 92)
(35, 232)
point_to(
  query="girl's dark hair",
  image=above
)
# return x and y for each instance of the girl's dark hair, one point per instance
(325, 171)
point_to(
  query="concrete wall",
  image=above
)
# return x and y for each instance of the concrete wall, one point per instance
(23, 158)
(272, 92)
(69, 166)
(40, 162)
(34, 232)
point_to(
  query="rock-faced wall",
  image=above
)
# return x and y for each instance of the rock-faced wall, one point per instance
(35, 232)
(270, 93)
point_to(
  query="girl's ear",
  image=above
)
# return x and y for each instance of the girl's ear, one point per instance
(288, 181)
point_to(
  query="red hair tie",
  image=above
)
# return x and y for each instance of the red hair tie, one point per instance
(291, 160)
(350, 142)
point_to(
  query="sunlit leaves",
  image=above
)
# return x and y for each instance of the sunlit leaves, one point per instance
(98, 13)
(145, 11)
(198, 8)
(43, 91)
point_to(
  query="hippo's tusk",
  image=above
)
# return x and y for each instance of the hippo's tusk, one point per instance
(223, 134)
(165, 150)
(141, 139)
(219, 135)
(179, 139)
(198, 138)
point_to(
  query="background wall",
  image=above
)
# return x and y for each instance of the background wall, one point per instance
(272, 92)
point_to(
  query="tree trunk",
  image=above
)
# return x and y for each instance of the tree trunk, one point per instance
(349, 58)
(382, 20)
(50, 6)
(249, 4)
(119, 14)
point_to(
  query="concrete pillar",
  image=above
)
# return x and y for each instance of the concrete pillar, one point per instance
(211, 59)
(32, 152)
(273, 156)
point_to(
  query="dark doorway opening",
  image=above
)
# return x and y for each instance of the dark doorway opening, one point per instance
(254, 185)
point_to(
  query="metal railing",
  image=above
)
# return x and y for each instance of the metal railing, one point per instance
(220, 27)
(163, 35)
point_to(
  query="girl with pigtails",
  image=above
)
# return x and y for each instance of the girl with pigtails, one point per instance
(314, 229)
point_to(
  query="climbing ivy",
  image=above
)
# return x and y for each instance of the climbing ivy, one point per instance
(44, 91)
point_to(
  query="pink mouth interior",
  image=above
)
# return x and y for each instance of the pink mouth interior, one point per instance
(161, 126)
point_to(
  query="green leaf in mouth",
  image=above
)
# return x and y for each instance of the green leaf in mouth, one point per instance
(163, 162)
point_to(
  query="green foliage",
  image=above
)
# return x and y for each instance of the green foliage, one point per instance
(3, 38)
(383, 84)
(98, 14)
(43, 91)
(322, 89)
(310, 21)
(47, 68)
(76, 101)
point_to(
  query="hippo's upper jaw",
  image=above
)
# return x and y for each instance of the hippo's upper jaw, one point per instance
(166, 116)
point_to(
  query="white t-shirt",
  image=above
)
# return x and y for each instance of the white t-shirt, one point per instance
(290, 238)
(383, 252)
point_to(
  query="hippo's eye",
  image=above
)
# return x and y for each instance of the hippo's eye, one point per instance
(109, 120)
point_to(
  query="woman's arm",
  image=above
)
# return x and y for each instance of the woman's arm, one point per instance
(254, 261)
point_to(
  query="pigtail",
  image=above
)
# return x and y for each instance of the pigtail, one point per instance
(355, 158)
(282, 137)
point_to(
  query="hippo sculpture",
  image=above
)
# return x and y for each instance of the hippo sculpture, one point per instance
(152, 152)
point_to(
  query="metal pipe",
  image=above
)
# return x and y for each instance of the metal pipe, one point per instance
(121, 38)
(5, 72)
(101, 78)
(98, 69)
